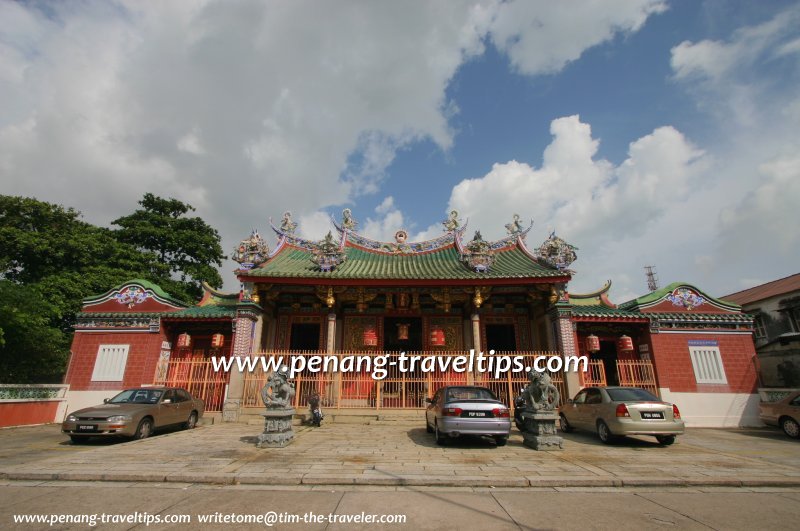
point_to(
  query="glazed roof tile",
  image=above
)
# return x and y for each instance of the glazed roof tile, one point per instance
(440, 264)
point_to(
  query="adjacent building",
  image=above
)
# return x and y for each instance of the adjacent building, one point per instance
(349, 294)
(775, 307)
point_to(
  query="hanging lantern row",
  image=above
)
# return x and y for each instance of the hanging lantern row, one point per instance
(184, 340)
(592, 343)
(217, 341)
(370, 337)
(402, 331)
(625, 344)
(437, 337)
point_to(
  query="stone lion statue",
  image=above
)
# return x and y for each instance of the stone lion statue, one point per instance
(541, 394)
(278, 392)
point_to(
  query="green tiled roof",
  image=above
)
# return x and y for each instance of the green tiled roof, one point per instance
(203, 312)
(599, 310)
(442, 264)
(655, 296)
(155, 288)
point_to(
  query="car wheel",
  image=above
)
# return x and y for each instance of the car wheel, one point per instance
(144, 429)
(604, 433)
(192, 422)
(77, 440)
(441, 438)
(790, 427)
(501, 441)
(665, 440)
(565, 425)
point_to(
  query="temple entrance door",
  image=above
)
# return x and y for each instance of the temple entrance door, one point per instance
(305, 336)
(500, 338)
(393, 328)
(403, 389)
(608, 355)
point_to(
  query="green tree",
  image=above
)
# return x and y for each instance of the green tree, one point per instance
(33, 350)
(187, 246)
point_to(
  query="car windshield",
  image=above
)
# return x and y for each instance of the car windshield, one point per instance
(631, 394)
(469, 393)
(137, 396)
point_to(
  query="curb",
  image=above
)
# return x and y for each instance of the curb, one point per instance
(399, 480)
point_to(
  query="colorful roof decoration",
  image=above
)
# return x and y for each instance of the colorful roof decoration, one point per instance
(353, 256)
(682, 297)
(133, 294)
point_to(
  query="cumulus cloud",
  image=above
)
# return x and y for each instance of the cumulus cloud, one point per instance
(582, 197)
(542, 36)
(748, 84)
(246, 109)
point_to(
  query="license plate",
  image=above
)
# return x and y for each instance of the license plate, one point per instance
(87, 427)
(476, 413)
(650, 415)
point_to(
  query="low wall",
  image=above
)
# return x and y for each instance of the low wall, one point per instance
(22, 405)
(716, 410)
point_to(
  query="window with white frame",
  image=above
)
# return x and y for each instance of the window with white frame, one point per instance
(110, 363)
(760, 329)
(707, 364)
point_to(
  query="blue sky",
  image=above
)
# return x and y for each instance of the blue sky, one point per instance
(645, 132)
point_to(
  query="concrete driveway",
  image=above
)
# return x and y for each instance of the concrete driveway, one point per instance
(403, 454)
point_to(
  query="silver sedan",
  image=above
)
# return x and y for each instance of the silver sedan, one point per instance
(467, 410)
(617, 411)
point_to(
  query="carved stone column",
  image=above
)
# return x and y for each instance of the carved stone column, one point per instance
(476, 342)
(247, 327)
(561, 317)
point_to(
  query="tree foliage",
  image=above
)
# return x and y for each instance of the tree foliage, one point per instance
(187, 246)
(33, 350)
(50, 259)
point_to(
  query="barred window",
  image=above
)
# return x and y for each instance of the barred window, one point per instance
(110, 363)
(707, 364)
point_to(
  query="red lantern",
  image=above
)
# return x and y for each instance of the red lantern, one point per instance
(437, 337)
(370, 337)
(184, 340)
(592, 343)
(402, 331)
(625, 344)
(217, 341)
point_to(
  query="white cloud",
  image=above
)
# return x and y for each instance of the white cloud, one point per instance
(246, 109)
(583, 198)
(543, 36)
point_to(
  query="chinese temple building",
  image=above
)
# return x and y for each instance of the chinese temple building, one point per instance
(349, 294)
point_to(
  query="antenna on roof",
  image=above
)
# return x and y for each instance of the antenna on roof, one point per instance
(652, 279)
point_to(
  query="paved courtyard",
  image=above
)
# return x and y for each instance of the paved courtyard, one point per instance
(403, 454)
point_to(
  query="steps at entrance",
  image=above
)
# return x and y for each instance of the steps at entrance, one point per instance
(252, 416)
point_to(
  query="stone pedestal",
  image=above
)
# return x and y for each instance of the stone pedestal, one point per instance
(230, 410)
(277, 428)
(540, 430)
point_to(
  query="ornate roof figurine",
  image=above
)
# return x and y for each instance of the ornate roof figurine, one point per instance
(686, 298)
(132, 295)
(348, 222)
(478, 255)
(328, 253)
(287, 225)
(251, 251)
(556, 252)
(452, 222)
(515, 227)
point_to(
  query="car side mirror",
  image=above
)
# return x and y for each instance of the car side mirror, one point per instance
(570, 401)
(428, 401)
(167, 401)
(106, 400)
